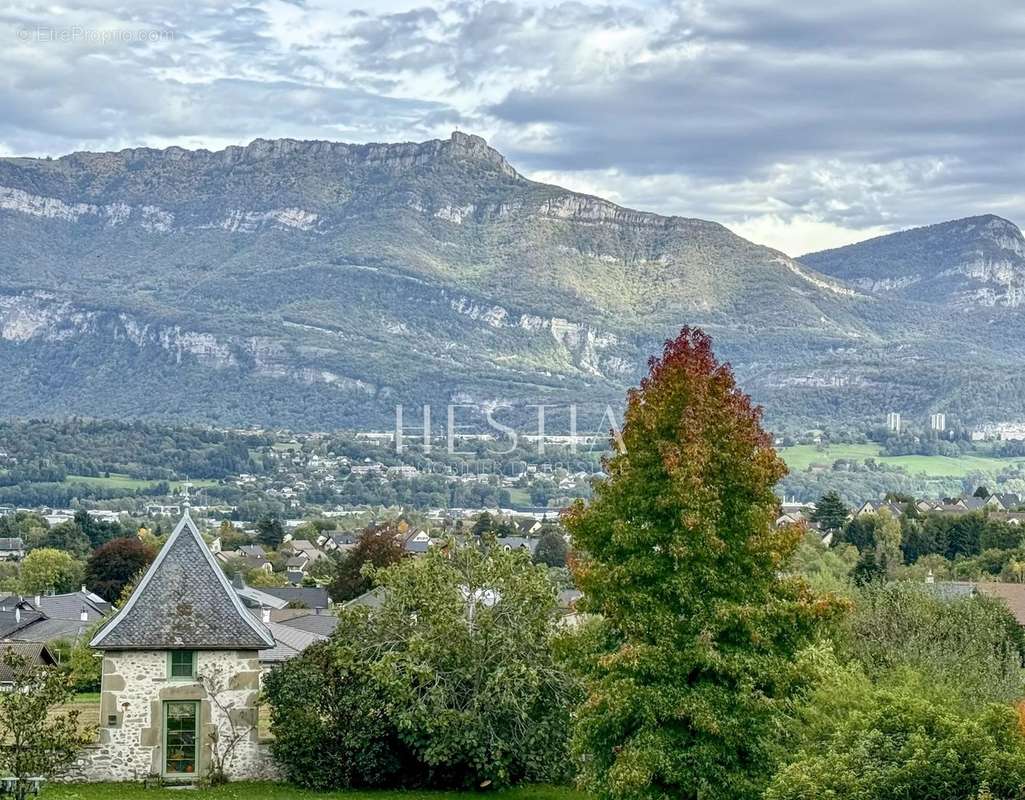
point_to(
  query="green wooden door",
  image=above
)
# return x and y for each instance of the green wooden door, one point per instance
(181, 737)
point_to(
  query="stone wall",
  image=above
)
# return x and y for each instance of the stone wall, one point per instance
(134, 687)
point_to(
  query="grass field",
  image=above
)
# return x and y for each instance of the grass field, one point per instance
(800, 457)
(116, 481)
(275, 791)
(519, 497)
(87, 704)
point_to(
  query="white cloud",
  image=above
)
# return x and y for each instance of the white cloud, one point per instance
(800, 234)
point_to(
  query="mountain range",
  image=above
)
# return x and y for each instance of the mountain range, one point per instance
(314, 285)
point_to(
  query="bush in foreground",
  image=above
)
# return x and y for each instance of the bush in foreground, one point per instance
(453, 681)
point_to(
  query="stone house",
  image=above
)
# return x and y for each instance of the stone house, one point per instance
(181, 674)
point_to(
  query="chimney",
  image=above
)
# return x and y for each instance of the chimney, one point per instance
(929, 578)
(266, 615)
(17, 614)
(83, 589)
(84, 616)
(39, 601)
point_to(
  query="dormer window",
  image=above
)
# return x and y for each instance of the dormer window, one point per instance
(183, 665)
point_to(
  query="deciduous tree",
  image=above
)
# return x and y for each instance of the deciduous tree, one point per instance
(113, 565)
(47, 569)
(39, 737)
(377, 546)
(551, 548)
(682, 560)
(452, 681)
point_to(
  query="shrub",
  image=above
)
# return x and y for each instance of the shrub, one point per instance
(902, 745)
(972, 647)
(453, 680)
(330, 717)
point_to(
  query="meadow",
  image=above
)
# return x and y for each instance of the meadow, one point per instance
(120, 481)
(800, 457)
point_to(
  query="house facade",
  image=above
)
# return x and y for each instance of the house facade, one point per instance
(181, 675)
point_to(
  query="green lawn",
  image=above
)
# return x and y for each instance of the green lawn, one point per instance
(276, 791)
(800, 457)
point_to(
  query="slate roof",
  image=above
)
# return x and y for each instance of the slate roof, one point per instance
(33, 653)
(52, 630)
(70, 606)
(257, 598)
(1009, 500)
(311, 597)
(518, 543)
(22, 621)
(289, 642)
(184, 601)
(323, 624)
(374, 598)
(15, 617)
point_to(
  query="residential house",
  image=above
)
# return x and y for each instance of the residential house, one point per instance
(1009, 500)
(527, 527)
(289, 640)
(340, 542)
(17, 615)
(373, 598)
(416, 542)
(872, 507)
(1012, 594)
(181, 650)
(34, 654)
(247, 558)
(12, 548)
(518, 543)
(51, 618)
(991, 503)
(301, 547)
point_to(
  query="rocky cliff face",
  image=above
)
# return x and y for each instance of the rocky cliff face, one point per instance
(978, 261)
(320, 283)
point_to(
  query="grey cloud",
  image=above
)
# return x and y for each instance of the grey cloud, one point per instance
(859, 113)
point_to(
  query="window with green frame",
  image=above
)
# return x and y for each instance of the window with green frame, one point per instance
(183, 665)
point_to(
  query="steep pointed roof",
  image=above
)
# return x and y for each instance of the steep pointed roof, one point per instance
(184, 601)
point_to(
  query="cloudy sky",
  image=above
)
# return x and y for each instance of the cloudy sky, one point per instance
(801, 125)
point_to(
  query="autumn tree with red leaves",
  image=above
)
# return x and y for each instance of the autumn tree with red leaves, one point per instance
(378, 545)
(682, 561)
(114, 565)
